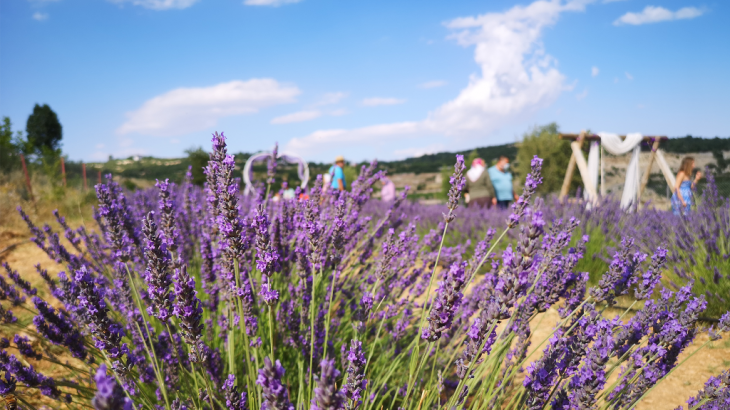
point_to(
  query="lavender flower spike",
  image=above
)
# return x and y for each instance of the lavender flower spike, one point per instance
(169, 231)
(447, 301)
(273, 391)
(109, 395)
(157, 276)
(326, 394)
(457, 182)
(234, 399)
(271, 167)
(532, 181)
(189, 311)
(356, 382)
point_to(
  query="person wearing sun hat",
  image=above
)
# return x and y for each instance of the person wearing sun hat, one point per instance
(337, 172)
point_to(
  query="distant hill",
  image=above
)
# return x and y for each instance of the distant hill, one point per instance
(150, 168)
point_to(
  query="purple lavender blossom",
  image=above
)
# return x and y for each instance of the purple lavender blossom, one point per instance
(457, 182)
(234, 399)
(109, 395)
(24, 285)
(189, 312)
(25, 348)
(169, 231)
(356, 382)
(448, 298)
(273, 391)
(326, 395)
(532, 181)
(7, 386)
(156, 274)
(271, 166)
(652, 276)
(621, 273)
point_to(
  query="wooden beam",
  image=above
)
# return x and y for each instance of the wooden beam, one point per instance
(569, 172)
(595, 137)
(583, 168)
(645, 177)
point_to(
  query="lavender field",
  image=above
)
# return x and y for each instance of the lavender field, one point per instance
(180, 297)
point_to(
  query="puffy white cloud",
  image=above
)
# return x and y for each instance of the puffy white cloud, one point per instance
(315, 142)
(628, 76)
(270, 3)
(375, 101)
(299, 116)
(186, 110)
(40, 16)
(655, 14)
(330, 98)
(432, 84)
(594, 71)
(516, 78)
(159, 4)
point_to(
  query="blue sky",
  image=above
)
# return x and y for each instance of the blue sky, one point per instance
(366, 79)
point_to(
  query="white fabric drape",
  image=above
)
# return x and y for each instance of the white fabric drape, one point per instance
(668, 176)
(593, 166)
(613, 144)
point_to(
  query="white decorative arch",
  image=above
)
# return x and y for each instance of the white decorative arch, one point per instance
(302, 168)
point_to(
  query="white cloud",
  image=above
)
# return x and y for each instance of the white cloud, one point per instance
(99, 146)
(271, 3)
(375, 101)
(582, 95)
(516, 78)
(186, 110)
(159, 4)
(612, 1)
(655, 14)
(174, 141)
(433, 84)
(339, 112)
(594, 71)
(40, 16)
(299, 116)
(419, 151)
(330, 98)
(629, 76)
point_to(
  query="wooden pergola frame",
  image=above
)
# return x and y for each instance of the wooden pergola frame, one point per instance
(577, 159)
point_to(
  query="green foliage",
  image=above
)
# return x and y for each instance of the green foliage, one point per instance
(44, 131)
(689, 143)
(198, 159)
(9, 150)
(545, 142)
(434, 162)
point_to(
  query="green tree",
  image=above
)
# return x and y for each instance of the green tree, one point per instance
(474, 154)
(544, 141)
(9, 150)
(198, 158)
(44, 131)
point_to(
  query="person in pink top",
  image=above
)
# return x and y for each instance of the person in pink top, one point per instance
(387, 192)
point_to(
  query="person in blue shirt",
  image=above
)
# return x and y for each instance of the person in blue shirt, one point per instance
(502, 182)
(338, 174)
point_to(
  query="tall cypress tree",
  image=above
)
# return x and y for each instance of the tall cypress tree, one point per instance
(44, 131)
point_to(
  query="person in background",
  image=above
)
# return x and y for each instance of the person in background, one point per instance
(387, 192)
(682, 193)
(337, 172)
(502, 181)
(481, 191)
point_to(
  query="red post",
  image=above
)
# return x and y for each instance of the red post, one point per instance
(83, 172)
(63, 171)
(27, 177)
(100, 176)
